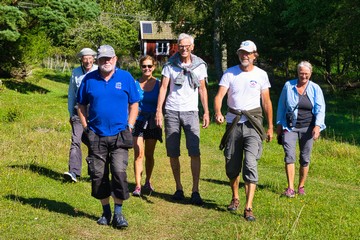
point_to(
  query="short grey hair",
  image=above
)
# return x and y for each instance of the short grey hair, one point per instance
(184, 36)
(304, 64)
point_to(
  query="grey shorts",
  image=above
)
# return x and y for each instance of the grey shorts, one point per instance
(189, 121)
(305, 144)
(242, 152)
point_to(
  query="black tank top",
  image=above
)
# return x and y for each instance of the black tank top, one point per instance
(305, 117)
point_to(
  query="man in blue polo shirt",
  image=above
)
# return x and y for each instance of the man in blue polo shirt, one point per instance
(108, 107)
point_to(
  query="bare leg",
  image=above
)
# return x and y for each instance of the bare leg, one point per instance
(149, 157)
(303, 172)
(175, 167)
(249, 192)
(290, 174)
(195, 170)
(234, 184)
(138, 156)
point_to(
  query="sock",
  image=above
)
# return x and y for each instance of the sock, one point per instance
(117, 208)
(106, 210)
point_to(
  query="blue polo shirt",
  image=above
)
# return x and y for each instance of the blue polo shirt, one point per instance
(108, 101)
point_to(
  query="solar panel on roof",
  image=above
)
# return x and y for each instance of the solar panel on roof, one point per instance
(147, 28)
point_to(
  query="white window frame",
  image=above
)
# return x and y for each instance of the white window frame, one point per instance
(162, 52)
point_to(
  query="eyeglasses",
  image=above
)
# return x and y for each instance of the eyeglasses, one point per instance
(184, 46)
(148, 66)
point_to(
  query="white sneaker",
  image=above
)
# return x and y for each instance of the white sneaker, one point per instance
(70, 177)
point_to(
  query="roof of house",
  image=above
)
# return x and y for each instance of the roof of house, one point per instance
(153, 30)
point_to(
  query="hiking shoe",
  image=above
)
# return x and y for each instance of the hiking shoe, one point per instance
(248, 215)
(104, 220)
(234, 204)
(148, 187)
(119, 221)
(301, 190)
(178, 195)
(289, 193)
(137, 192)
(70, 177)
(196, 199)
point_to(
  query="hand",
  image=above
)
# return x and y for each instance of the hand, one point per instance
(219, 118)
(159, 119)
(206, 120)
(269, 134)
(316, 132)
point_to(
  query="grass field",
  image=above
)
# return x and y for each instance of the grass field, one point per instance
(35, 203)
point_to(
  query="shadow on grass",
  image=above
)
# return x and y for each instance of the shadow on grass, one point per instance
(46, 172)
(24, 87)
(208, 203)
(58, 78)
(50, 205)
(227, 183)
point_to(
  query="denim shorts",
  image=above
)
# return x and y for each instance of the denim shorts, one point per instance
(242, 152)
(189, 121)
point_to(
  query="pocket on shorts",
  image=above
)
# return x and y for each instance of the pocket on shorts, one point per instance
(125, 139)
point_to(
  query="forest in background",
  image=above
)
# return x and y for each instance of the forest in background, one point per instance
(325, 32)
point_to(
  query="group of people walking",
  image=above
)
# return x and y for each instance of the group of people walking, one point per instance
(111, 112)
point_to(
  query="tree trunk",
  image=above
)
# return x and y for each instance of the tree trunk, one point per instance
(217, 41)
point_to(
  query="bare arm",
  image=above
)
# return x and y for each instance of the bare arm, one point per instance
(204, 101)
(133, 112)
(267, 105)
(219, 118)
(82, 112)
(161, 99)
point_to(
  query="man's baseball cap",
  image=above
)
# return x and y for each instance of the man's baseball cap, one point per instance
(248, 46)
(86, 52)
(106, 51)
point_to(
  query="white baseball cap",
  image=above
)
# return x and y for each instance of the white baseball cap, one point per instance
(248, 46)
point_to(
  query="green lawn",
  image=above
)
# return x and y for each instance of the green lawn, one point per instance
(36, 204)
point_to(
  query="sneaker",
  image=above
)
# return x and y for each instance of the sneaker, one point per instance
(196, 199)
(234, 204)
(104, 220)
(178, 195)
(137, 192)
(148, 187)
(289, 193)
(301, 190)
(248, 215)
(70, 177)
(119, 221)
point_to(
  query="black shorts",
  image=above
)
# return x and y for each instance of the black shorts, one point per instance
(141, 129)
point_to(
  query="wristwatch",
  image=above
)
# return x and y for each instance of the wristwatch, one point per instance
(130, 126)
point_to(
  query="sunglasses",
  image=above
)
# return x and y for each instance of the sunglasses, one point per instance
(146, 66)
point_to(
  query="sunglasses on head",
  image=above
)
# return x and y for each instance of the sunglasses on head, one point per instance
(148, 66)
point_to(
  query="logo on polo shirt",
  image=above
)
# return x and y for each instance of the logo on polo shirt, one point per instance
(118, 85)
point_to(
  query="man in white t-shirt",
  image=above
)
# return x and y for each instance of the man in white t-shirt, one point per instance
(245, 85)
(185, 75)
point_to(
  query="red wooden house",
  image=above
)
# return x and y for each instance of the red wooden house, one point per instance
(157, 40)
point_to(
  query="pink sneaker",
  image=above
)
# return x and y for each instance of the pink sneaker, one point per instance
(289, 193)
(137, 192)
(301, 190)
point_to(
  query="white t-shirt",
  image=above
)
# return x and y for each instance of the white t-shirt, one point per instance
(244, 89)
(183, 97)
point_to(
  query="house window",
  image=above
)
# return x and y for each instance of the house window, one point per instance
(162, 48)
